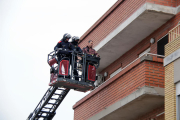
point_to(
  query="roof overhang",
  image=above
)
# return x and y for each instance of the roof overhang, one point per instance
(148, 18)
(140, 102)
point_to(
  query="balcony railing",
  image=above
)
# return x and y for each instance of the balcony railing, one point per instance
(174, 33)
(146, 54)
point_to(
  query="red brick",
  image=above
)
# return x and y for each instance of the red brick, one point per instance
(119, 89)
(139, 74)
(155, 85)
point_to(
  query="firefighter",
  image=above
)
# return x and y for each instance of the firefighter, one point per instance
(65, 45)
(74, 44)
(89, 50)
(77, 49)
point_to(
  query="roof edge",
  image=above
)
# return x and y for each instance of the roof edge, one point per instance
(102, 18)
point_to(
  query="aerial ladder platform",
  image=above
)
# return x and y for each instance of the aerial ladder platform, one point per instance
(63, 78)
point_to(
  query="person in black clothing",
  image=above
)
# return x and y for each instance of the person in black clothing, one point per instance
(74, 44)
(65, 45)
(77, 49)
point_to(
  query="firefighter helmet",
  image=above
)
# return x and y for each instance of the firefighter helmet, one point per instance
(75, 39)
(66, 35)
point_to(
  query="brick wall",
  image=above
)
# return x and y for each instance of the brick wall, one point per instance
(156, 114)
(111, 91)
(170, 93)
(115, 16)
(132, 54)
(149, 73)
(170, 100)
(154, 74)
(145, 73)
(136, 50)
(119, 13)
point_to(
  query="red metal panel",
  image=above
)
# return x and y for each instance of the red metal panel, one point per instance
(91, 73)
(64, 67)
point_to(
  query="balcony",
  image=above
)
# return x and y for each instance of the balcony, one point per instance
(174, 33)
(172, 53)
(120, 97)
(144, 21)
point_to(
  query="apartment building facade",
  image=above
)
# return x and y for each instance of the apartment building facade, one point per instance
(172, 76)
(131, 38)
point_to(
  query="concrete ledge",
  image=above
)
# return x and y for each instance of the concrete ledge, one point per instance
(161, 8)
(172, 57)
(148, 57)
(133, 105)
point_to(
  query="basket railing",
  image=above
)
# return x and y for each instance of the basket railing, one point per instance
(174, 33)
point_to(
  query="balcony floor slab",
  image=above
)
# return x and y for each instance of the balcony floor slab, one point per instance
(134, 105)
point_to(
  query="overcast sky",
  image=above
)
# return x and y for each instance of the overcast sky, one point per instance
(29, 30)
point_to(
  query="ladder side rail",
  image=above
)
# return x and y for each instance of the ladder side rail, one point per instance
(52, 111)
(56, 99)
(46, 98)
(45, 102)
(65, 92)
(39, 104)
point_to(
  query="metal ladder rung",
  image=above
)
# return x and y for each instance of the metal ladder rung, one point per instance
(42, 116)
(56, 94)
(54, 99)
(60, 89)
(46, 112)
(46, 108)
(52, 103)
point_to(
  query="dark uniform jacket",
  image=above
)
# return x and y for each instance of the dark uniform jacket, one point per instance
(64, 45)
(75, 47)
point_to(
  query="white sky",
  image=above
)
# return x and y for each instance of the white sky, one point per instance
(29, 30)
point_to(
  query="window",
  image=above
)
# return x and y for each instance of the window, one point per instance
(178, 107)
(144, 52)
(116, 72)
(160, 45)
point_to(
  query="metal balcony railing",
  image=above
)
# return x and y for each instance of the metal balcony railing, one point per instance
(174, 33)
